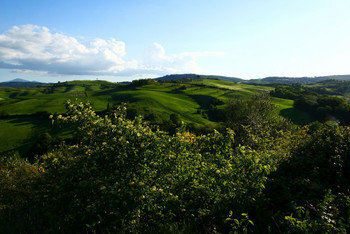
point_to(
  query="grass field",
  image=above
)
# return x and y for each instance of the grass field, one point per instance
(285, 109)
(18, 134)
(162, 97)
(15, 133)
(185, 99)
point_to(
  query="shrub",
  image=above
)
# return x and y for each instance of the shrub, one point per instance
(257, 124)
(122, 176)
(17, 177)
(310, 191)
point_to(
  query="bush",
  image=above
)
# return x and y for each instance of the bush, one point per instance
(124, 177)
(310, 191)
(42, 144)
(257, 124)
(17, 177)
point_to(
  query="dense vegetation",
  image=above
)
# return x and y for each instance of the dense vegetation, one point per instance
(180, 156)
(122, 175)
(314, 100)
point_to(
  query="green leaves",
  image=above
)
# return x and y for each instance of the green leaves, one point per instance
(165, 179)
(122, 176)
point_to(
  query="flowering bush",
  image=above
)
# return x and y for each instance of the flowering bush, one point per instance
(123, 176)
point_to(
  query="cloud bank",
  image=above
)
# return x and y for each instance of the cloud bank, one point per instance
(32, 48)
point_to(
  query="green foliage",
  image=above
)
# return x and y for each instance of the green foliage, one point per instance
(257, 124)
(325, 108)
(121, 173)
(331, 87)
(122, 176)
(141, 82)
(43, 143)
(311, 188)
(16, 194)
(322, 107)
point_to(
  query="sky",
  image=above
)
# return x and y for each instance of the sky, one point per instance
(123, 40)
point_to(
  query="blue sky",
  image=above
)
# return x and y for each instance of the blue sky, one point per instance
(127, 39)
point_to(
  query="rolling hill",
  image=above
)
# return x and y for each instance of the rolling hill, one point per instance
(301, 80)
(272, 79)
(21, 108)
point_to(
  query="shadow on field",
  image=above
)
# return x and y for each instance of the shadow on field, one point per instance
(30, 129)
(297, 116)
(206, 101)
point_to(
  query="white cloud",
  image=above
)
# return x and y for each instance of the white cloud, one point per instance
(156, 59)
(31, 48)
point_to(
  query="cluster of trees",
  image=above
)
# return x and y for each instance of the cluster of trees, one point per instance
(293, 92)
(52, 88)
(325, 108)
(322, 107)
(168, 123)
(332, 87)
(327, 87)
(142, 82)
(258, 173)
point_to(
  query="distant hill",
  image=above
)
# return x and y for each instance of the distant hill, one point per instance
(301, 80)
(195, 76)
(18, 82)
(272, 79)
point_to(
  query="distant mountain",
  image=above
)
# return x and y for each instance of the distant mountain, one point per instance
(195, 76)
(18, 82)
(300, 80)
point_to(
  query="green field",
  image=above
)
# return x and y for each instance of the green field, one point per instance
(15, 133)
(285, 109)
(18, 134)
(187, 100)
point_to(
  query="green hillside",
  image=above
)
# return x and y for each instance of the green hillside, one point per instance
(189, 100)
(163, 96)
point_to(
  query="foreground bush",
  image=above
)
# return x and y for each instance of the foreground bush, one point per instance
(122, 176)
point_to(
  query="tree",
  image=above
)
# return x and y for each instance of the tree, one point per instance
(256, 122)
